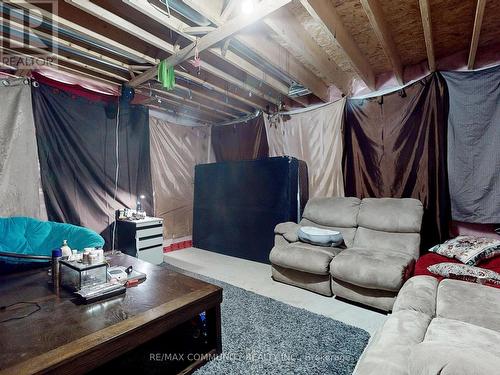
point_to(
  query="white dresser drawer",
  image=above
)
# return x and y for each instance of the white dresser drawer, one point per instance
(157, 241)
(147, 232)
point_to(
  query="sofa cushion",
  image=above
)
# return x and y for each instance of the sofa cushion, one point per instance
(304, 257)
(436, 358)
(402, 215)
(333, 212)
(372, 268)
(468, 302)
(418, 294)
(390, 348)
(377, 298)
(315, 283)
(409, 243)
(457, 333)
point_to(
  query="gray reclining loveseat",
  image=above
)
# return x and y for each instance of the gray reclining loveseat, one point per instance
(381, 244)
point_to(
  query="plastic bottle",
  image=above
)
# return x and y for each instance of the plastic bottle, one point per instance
(65, 249)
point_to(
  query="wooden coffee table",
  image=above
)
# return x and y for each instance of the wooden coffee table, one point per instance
(64, 337)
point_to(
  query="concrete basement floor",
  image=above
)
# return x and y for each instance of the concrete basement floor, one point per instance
(256, 277)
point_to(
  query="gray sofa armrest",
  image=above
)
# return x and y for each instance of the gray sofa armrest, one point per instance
(288, 230)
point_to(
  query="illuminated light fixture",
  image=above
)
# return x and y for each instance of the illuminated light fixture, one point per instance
(247, 6)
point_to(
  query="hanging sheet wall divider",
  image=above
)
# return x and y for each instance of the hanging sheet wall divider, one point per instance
(175, 150)
(474, 145)
(395, 146)
(76, 134)
(315, 137)
(241, 141)
(20, 188)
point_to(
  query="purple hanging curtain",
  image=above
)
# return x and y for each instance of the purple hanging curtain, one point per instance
(395, 146)
(240, 141)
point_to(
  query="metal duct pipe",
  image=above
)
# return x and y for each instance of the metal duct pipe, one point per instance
(180, 7)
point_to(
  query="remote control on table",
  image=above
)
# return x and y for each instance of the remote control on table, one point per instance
(100, 292)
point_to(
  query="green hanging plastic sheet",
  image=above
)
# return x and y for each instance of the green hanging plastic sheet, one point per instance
(166, 75)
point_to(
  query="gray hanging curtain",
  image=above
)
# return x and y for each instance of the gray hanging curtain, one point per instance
(20, 193)
(474, 145)
(395, 146)
(175, 150)
(77, 143)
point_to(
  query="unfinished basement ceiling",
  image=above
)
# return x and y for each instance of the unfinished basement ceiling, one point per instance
(253, 68)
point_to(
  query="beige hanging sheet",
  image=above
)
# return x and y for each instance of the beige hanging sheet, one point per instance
(315, 137)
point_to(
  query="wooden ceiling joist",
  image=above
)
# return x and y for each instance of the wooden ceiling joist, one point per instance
(227, 55)
(62, 22)
(301, 43)
(425, 12)
(233, 26)
(111, 18)
(269, 51)
(209, 108)
(215, 99)
(68, 45)
(72, 61)
(65, 68)
(326, 15)
(478, 22)
(232, 102)
(381, 28)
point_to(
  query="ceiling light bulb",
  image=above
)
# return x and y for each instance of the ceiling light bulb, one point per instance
(247, 6)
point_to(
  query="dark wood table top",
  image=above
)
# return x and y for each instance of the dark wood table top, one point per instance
(62, 329)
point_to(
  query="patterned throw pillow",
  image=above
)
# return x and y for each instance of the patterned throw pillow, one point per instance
(465, 272)
(469, 250)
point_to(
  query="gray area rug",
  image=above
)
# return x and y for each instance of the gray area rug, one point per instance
(264, 336)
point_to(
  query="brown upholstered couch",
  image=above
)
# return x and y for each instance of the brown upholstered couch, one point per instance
(382, 239)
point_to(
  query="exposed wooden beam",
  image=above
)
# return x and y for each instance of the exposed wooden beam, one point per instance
(377, 19)
(326, 15)
(129, 27)
(229, 103)
(233, 102)
(478, 22)
(67, 59)
(233, 26)
(179, 109)
(269, 51)
(65, 68)
(202, 108)
(69, 45)
(208, 107)
(297, 39)
(227, 55)
(199, 30)
(62, 22)
(425, 12)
